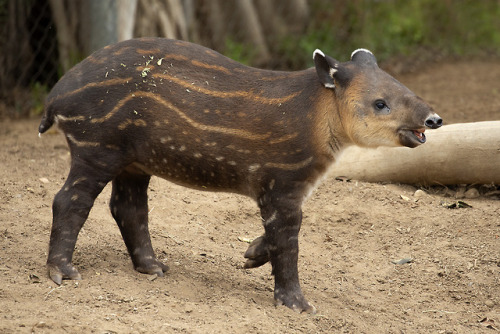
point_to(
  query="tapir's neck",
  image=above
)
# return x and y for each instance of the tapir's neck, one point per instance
(317, 109)
(330, 134)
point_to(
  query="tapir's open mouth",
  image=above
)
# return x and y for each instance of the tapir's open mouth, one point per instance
(419, 134)
(412, 138)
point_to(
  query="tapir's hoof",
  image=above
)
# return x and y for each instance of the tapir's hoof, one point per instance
(297, 303)
(257, 253)
(154, 267)
(58, 273)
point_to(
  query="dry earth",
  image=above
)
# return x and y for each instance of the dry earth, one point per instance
(352, 232)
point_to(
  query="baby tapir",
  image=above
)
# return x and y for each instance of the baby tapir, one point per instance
(186, 113)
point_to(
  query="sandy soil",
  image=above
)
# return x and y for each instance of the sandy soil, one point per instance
(352, 233)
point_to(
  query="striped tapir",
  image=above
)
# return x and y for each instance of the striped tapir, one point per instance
(186, 113)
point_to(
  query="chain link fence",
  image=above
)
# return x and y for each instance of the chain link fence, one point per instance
(28, 56)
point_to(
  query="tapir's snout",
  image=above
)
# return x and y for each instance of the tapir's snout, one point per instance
(413, 137)
(434, 121)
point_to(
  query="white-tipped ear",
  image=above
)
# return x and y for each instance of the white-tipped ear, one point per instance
(326, 68)
(318, 51)
(360, 50)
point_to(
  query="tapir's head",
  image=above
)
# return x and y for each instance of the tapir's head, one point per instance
(374, 108)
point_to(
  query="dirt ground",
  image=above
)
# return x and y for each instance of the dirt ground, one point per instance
(352, 232)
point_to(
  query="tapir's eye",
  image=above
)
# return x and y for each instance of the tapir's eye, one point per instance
(381, 107)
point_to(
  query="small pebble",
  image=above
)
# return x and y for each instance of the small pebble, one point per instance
(419, 193)
(490, 303)
(44, 180)
(472, 193)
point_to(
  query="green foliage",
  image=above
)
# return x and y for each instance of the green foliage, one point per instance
(38, 93)
(396, 27)
(239, 51)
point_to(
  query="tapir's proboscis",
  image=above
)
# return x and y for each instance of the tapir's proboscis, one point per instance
(186, 113)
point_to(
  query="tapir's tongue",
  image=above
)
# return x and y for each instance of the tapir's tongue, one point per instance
(419, 134)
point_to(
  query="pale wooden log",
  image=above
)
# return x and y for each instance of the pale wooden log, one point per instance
(466, 153)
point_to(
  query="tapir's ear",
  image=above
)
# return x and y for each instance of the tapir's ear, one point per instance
(363, 57)
(331, 71)
(325, 67)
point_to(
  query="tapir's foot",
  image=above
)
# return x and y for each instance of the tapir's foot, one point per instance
(151, 266)
(294, 300)
(257, 253)
(59, 272)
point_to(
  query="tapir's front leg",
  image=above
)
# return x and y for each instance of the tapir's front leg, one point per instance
(129, 207)
(282, 219)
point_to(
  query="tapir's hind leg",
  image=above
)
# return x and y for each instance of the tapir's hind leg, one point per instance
(70, 209)
(129, 207)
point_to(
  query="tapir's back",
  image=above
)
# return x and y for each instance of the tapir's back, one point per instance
(158, 66)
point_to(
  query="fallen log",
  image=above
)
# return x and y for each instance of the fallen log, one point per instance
(464, 153)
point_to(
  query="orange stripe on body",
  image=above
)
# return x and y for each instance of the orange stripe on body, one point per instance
(110, 82)
(211, 67)
(249, 95)
(204, 127)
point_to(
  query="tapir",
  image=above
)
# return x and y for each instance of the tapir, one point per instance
(188, 114)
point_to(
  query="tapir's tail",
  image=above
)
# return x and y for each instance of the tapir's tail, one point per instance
(47, 118)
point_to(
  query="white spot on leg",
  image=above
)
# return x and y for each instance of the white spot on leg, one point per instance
(79, 180)
(253, 168)
(272, 218)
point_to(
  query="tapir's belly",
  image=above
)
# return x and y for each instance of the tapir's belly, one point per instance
(194, 169)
